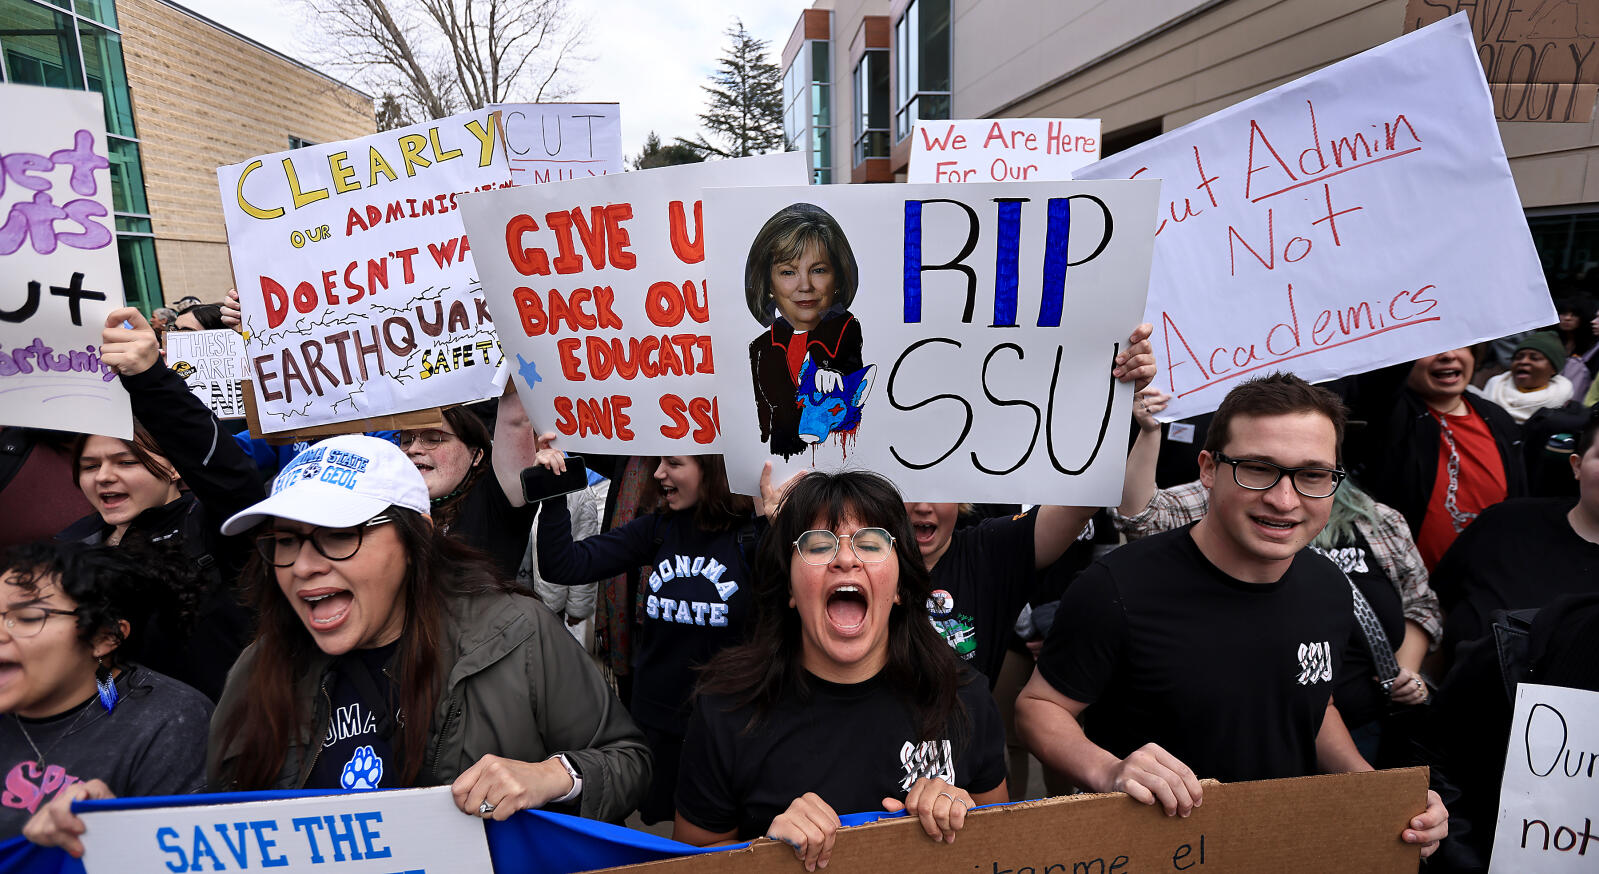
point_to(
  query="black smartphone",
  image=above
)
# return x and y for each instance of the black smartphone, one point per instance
(539, 484)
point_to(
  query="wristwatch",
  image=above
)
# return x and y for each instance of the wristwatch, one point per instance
(571, 771)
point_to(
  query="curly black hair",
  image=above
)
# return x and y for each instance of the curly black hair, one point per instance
(133, 583)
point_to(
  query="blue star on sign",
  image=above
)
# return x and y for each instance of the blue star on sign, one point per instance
(529, 371)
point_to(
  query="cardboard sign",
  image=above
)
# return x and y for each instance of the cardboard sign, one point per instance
(411, 830)
(599, 287)
(1539, 57)
(1002, 149)
(359, 294)
(1361, 216)
(212, 363)
(1334, 824)
(549, 142)
(59, 271)
(960, 342)
(1546, 802)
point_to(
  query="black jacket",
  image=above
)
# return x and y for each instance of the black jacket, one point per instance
(1395, 453)
(835, 344)
(221, 481)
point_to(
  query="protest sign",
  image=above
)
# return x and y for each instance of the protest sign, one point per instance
(1335, 823)
(1546, 802)
(600, 291)
(59, 271)
(1361, 216)
(958, 339)
(358, 290)
(1002, 149)
(418, 831)
(1539, 57)
(212, 363)
(549, 142)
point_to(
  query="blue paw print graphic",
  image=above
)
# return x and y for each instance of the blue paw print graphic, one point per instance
(364, 770)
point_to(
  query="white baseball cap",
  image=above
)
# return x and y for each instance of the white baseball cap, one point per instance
(340, 482)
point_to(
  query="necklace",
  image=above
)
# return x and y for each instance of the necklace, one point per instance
(39, 754)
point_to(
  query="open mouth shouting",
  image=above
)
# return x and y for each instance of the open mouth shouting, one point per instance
(326, 608)
(846, 609)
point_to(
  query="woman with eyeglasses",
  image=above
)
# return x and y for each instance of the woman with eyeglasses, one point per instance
(474, 479)
(80, 719)
(843, 698)
(390, 656)
(173, 483)
(1370, 543)
(696, 586)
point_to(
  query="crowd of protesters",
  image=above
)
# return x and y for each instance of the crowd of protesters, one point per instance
(1315, 591)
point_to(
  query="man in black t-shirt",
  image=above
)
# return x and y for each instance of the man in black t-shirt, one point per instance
(1213, 648)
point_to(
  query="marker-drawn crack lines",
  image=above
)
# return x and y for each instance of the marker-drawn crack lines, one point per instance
(290, 413)
(305, 329)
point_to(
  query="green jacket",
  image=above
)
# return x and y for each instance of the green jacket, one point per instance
(518, 686)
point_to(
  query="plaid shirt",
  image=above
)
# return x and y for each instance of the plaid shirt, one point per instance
(1391, 545)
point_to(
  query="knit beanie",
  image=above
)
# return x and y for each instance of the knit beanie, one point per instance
(1547, 344)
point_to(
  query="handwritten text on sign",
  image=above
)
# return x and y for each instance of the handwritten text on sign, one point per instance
(957, 339)
(549, 142)
(417, 831)
(1002, 149)
(59, 270)
(357, 285)
(600, 291)
(1546, 803)
(1361, 216)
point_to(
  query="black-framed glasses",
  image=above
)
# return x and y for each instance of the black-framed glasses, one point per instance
(29, 621)
(281, 548)
(870, 545)
(429, 438)
(1259, 475)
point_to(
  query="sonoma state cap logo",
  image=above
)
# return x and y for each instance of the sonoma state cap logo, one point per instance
(940, 603)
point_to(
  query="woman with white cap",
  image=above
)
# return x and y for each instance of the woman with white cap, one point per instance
(388, 656)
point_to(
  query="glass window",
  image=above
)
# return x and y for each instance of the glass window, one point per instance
(821, 103)
(922, 70)
(871, 106)
(299, 142)
(1568, 246)
(127, 177)
(132, 224)
(102, 61)
(103, 11)
(40, 46)
(821, 67)
(141, 280)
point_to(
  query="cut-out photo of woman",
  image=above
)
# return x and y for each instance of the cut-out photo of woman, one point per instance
(799, 281)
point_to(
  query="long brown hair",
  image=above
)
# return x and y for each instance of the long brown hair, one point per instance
(470, 430)
(270, 714)
(143, 447)
(921, 667)
(718, 509)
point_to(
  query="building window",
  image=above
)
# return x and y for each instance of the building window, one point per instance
(298, 143)
(1567, 239)
(81, 50)
(921, 41)
(871, 106)
(808, 107)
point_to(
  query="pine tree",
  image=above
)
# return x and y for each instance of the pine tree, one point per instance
(746, 101)
(655, 154)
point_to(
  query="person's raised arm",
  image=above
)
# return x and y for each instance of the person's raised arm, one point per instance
(1048, 722)
(565, 562)
(515, 445)
(1138, 485)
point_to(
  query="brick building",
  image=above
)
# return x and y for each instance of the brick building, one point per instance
(183, 95)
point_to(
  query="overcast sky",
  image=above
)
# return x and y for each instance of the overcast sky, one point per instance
(651, 56)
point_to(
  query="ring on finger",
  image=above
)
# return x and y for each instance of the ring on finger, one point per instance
(951, 798)
(485, 809)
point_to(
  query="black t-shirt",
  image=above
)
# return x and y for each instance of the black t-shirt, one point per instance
(152, 743)
(1519, 554)
(1360, 700)
(979, 586)
(1232, 678)
(853, 745)
(357, 751)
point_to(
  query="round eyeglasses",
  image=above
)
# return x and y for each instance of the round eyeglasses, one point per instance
(430, 438)
(1258, 475)
(282, 548)
(29, 621)
(870, 545)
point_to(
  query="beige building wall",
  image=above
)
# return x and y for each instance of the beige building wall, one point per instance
(204, 97)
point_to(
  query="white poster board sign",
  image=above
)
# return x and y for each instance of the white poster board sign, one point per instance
(359, 294)
(379, 832)
(599, 287)
(212, 363)
(957, 339)
(1002, 149)
(549, 142)
(59, 271)
(1546, 802)
(1361, 216)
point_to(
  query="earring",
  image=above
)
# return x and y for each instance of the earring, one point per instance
(106, 686)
